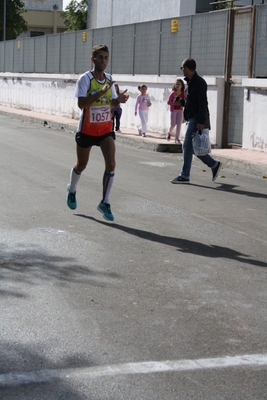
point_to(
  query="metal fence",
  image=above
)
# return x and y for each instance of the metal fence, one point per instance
(260, 59)
(230, 43)
(149, 48)
(235, 117)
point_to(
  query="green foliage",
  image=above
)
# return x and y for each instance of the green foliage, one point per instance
(225, 4)
(75, 15)
(15, 23)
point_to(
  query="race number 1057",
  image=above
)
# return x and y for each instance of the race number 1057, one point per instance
(98, 114)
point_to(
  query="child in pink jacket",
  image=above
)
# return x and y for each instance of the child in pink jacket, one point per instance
(176, 109)
(143, 103)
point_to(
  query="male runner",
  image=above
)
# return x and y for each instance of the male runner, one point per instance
(96, 97)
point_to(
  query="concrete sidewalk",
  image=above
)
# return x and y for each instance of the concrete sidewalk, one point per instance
(253, 162)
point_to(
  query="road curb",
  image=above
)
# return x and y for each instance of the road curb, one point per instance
(147, 143)
(244, 166)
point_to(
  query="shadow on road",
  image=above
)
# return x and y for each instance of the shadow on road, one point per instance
(39, 381)
(224, 187)
(183, 245)
(33, 266)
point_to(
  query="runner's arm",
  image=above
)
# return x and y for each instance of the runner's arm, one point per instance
(88, 100)
(122, 98)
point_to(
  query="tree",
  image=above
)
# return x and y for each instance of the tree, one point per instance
(75, 15)
(15, 23)
(224, 4)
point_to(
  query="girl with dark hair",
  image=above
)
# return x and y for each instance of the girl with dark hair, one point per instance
(143, 103)
(176, 102)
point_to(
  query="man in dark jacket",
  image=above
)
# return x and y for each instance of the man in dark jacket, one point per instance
(196, 114)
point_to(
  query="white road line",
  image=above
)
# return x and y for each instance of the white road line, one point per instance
(22, 378)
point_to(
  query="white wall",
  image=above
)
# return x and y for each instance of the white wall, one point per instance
(54, 94)
(122, 12)
(255, 117)
(104, 13)
(159, 88)
(50, 94)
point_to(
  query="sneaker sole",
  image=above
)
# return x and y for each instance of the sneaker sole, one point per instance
(71, 207)
(108, 219)
(216, 176)
(179, 182)
(99, 209)
(102, 212)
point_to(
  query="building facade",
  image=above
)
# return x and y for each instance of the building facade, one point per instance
(43, 5)
(43, 17)
(105, 13)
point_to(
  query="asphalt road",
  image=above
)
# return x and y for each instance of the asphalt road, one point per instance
(168, 302)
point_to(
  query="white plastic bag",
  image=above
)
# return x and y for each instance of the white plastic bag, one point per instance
(201, 142)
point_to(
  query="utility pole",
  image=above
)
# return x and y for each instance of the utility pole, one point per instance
(4, 22)
(89, 14)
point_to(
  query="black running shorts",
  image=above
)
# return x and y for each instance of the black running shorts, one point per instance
(86, 141)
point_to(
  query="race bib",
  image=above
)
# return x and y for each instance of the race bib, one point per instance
(99, 114)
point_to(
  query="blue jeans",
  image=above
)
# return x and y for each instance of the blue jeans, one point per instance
(191, 127)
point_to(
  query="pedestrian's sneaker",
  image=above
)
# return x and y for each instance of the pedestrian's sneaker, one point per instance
(180, 179)
(105, 209)
(139, 132)
(216, 170)
(71, 199)
(143, 134)
(178, 141)
(118, 131)
(168, 137)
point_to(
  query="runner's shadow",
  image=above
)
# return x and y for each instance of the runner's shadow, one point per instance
(183, 245)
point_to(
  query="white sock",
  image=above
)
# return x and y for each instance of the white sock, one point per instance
(74, 178)
(108, 179)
